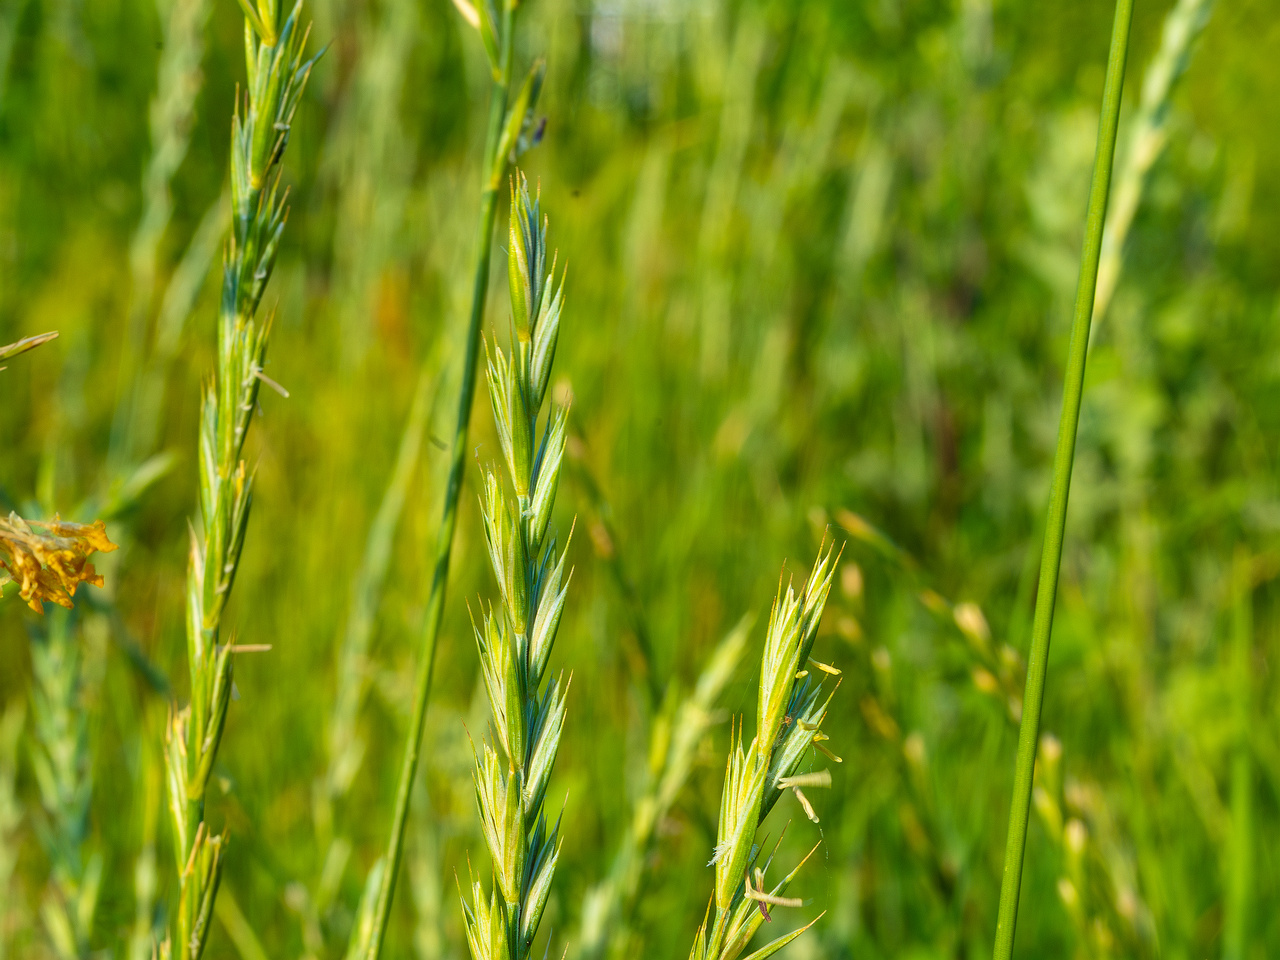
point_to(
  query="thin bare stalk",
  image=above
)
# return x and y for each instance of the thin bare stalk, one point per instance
(508, 133)
(1239, 879)
(1064, 457)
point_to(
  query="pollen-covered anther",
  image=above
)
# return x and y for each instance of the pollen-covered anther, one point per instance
(760, 896)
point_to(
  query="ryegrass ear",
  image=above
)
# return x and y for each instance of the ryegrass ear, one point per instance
(277, 75)
(515, 641)
(507, 125)
(789, 712)
(25, 344)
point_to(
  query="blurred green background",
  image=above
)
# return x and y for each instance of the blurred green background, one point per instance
(821, 261)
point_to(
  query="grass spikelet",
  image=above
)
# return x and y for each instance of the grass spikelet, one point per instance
(510, 132)
(789, 716)
(277, 75)
(515, 638)
(26, 343)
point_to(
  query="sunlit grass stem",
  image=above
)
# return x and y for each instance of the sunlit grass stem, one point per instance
(1064, 457)
(494, 166)
(178, 85)
(11, 726)
(1148, 137)
(1240, 844)
(345, 746)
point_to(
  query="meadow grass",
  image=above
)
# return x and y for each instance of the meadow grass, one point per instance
(824, 265)
(608, 910)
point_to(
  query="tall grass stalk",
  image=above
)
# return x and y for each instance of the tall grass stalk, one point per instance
(238, 928)
(724, 177)
(11, 724)
(1096, 884)
(175, 308)
(509, 131)
(10, 15)
(1147, 139)
(674, 736)
(604, 536)
(369, 164)
(49, 560)
(789, 720)
(67, 655)
(146, 879)
(515, 640)
(178, 84)
(1064, 457)
(346, 748)
(277, 74)
(1240, 844)
(68, 658)
(427, 879)
(67, 673)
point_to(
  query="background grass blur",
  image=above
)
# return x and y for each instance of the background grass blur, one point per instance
(821, 259)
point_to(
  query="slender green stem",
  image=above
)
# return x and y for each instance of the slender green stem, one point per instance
(650, 684)
(1239, 879)
(1055, 523)
(493, 167)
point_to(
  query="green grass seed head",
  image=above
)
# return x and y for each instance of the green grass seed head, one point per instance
(790, 711)
(516, 639)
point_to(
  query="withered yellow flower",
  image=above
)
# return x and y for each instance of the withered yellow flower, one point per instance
(52, 559)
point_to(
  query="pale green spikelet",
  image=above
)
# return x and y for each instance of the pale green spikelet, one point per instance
(789, 716)
(277, 74)
(675, 736)
(515, 639)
